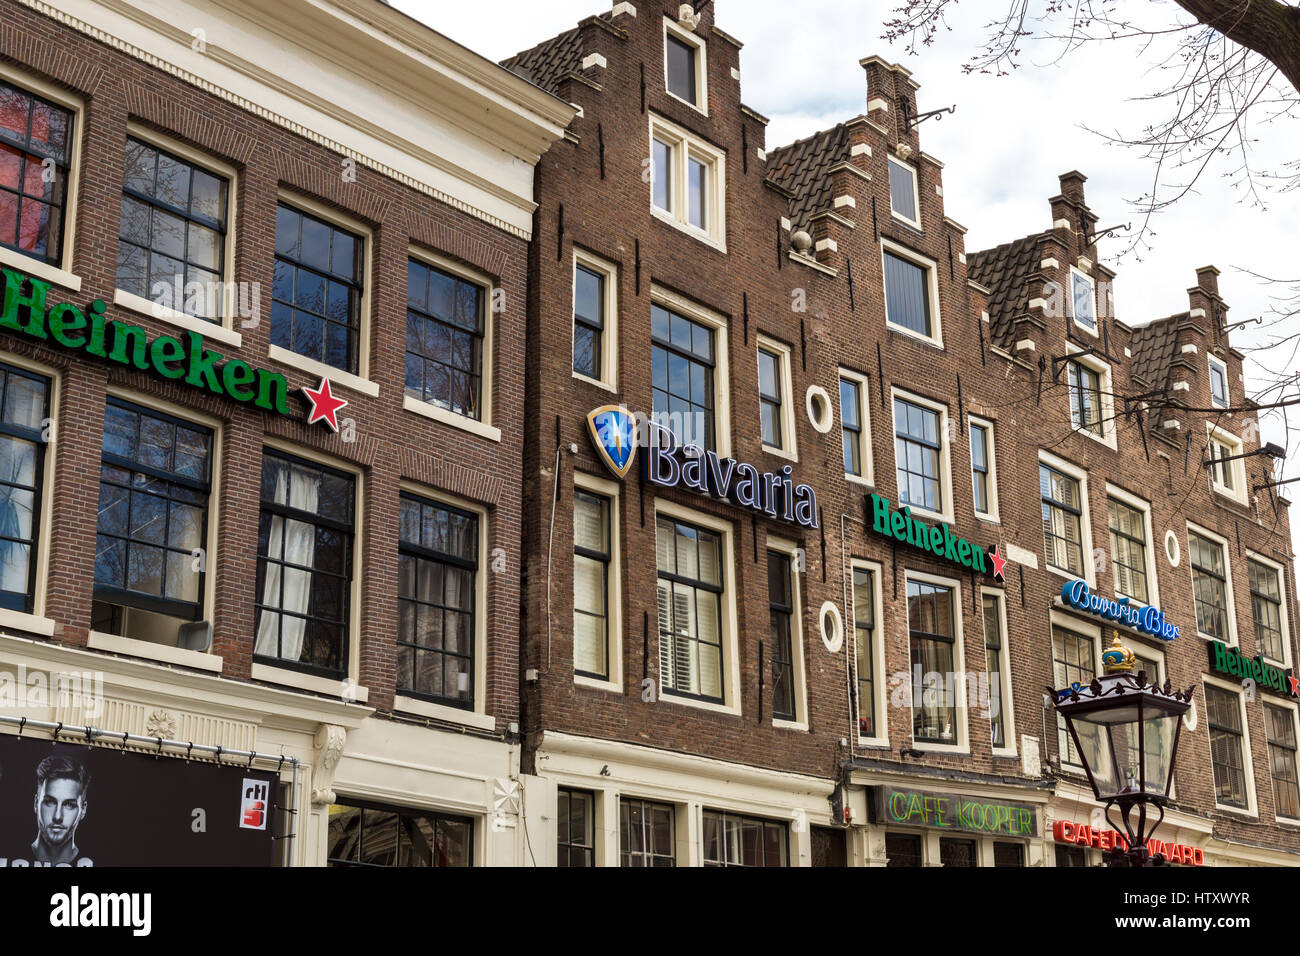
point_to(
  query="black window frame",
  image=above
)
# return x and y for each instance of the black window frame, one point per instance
(187, 216)
(605, 558)
(346, 529)
(27, 151)
(371, 806)
(1001, 848)
(566, 843)
(950, 847)
(1226, 731)
(1051, 503)
(942, 645)
(908, 849)
(697, 584)
(1077, 376)
(692, 358)
(423, 325)
(903, 439)
(1270, 635)
(1138, 516)
(647, 854)
(354, 284)
(1283, 755)
(594, 325)
(418, 552)
(125, 597)
(721, 819)
(13, 600)
(781, 615)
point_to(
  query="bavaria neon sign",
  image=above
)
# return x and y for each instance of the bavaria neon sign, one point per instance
(1148, 619)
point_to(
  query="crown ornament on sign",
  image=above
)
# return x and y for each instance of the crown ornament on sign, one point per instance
(1117, 659)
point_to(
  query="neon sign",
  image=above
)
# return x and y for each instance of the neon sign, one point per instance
(945, 811)
(938, 539)
(1145, 618)
(1229, 660)
(1104, 838)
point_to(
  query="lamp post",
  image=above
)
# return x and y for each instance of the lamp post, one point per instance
(1125, 732)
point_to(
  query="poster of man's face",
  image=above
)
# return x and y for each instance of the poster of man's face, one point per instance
(60, 804)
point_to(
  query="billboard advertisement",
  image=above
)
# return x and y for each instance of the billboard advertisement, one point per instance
(72, 805)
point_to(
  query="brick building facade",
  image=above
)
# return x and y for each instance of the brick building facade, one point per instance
(706, 680)
(344, 598)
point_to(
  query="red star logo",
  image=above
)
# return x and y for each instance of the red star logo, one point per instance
(1295, 684)
(324, 406)
(999, 563)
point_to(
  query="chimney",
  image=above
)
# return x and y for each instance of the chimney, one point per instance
(1072, 186)
(1070, 215)
(1207, 279)
(888, 85)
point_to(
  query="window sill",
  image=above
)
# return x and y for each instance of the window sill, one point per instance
(781, 453)
(1230, 642)
(209, 330)
(310, 682)
(926, 514)
(799, 725)
(703, 111)
(595, 683)
(1229, 496)
(200, 660)
(336, 376)
(1005, 754)
(987, 519)
(859, 480)
(438, 414)
(1091, 330)
(934, 341)
(40, 270)
(591, 381)
(1237, 812)
(941, 748)
(668, 697)
(1069, 576)
(22, 621)
(695, 232)
(875, 743)
(1103, 440)
(453, 715)
(911, 224)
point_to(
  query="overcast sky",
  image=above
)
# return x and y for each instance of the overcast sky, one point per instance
(1004, 147)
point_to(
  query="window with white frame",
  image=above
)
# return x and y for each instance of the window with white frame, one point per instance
(904, 200)
(688, 371)
(1227, 469)
(688, 181)
(734, 840)
(597, 602)
(1227, 729)
(1218, 382)
(911, 292)
(1088, 385)
(690, 593)
(855, 425)
(1064, 507)
(983, 466)
(1268, 609)
(786, 632)
(776, 408)
(595, 319)
(1279, 725)
(932, 630)
(865, 634)
(996, 667)
(1211, 591)
(921, 454)
(1083, 300)
(1129, 548)
(685, 75)
(37, 141)
(448, 338)
(1074, 660)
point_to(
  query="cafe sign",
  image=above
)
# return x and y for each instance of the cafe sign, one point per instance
(186, 361)
(949, 811)
(1104, 838)
(1230, 661)
(1147, 619)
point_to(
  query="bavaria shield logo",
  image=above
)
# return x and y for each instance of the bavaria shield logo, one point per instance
(613, 433)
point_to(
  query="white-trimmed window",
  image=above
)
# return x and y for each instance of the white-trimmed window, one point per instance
(1074, 660)
(1211, 585)
(911, 292)
(1092, 403)
(775, 398)
(26, 405)
(1268, 609)
(997, 667)
(1067, 536)
(689, 371)
(1227, 470)
(1132, 557)
(1083, 300)
(41, 131)
(1280, 728)
(176, 246)
(1219, 392)
(934, 625)
(869, 654)
(785, 636)
(685, 73)
(855, 427)
(597, 596)
(984, 469)
(1230, 757)
(697, 615)
(595, 319)
(904, 197)
(922, 455)
(688, 182)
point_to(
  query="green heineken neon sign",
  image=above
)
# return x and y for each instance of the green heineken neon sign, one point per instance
(187, 361)
(938, 539)
(1230, 661)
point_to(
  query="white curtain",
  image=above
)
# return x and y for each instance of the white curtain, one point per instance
(298, 489)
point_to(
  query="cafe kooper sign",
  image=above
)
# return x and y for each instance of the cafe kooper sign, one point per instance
(188, 362)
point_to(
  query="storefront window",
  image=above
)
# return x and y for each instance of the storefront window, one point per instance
(575, 828)
(731, 840)
(648, 833)
(958, 852)
(371, 835)
(1008, 854)
(902, 849)
(1071, 856)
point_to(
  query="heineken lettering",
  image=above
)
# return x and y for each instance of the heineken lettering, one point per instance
(1145, 618)
(773, 494)
(937, 539)
(185, 360)
(1228, 660)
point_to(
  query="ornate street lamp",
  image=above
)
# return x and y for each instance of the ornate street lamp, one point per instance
(1125, 732)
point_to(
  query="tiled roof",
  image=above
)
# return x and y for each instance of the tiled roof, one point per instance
(1003, 270)
(803, 169)
(548, 63)
(1153, 346)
